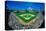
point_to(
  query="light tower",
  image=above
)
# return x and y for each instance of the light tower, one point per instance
(29, 8)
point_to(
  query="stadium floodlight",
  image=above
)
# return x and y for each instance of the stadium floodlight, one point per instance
(29, 8)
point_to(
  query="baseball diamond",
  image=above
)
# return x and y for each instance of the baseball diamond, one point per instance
(26, 16)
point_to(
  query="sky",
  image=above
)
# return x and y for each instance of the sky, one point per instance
(19, 5)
